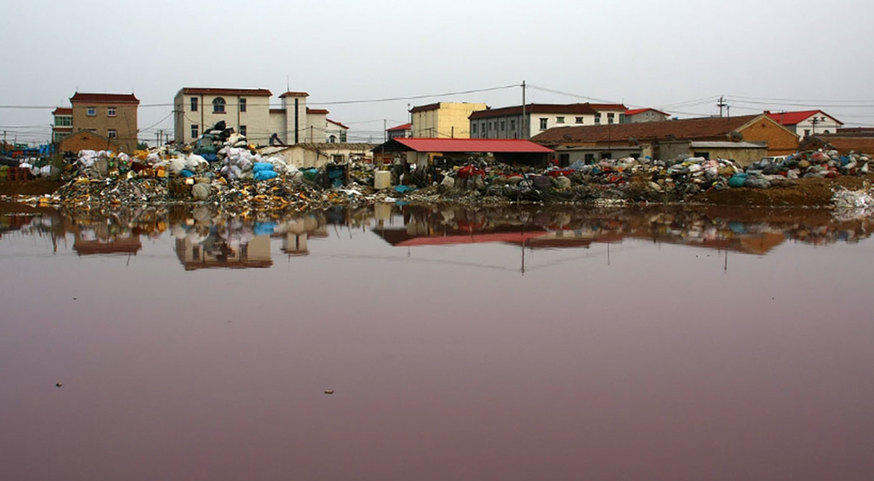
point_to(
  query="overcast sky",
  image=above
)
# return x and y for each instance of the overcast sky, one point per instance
(678, 55)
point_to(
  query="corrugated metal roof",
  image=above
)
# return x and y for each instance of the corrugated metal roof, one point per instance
(473, 145)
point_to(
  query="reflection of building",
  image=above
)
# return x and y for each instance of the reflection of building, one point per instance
(87, 244)
(297, 233)
(215, 253)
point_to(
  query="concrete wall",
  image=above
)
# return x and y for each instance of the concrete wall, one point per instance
(449, 120)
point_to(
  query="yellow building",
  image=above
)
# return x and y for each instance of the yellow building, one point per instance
(443, 120)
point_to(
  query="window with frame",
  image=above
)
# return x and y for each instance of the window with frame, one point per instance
(473, 128)
(512, 124)
(622, 118)
(110, 111)
(483, 128)
(194, 104)
(195, 131)
(218, 105)
(598, 117)
(610, 117)
(91, 112)
(64, 121)
(243, 130)
(578, 120)
(112, 133)
(543, 123)
(503, 125)
(559, 120)
(242, 105)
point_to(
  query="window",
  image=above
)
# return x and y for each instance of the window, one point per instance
(92, 111)
(807, 132)
(483, 128)
(112, 133)
(63, 121)
(218, 105)
(473, 128)
(610, 118)
(242, 105)
(110, 111)
(543, 124)
(826, 131)
(194, 104)
(578, 120)
(195, 131)
(343, 136)
(503, 125)
(621, 118)
(513, 124)
(597, 117)
(332, 139)
(606, 155)
(243, 130)
(559, 120)
(491, 126)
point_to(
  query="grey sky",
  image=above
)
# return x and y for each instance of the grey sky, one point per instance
(642, 53)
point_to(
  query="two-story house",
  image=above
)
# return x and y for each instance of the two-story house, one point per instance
(806, 123)
(248, 112)
(112, 116)
(520, 122)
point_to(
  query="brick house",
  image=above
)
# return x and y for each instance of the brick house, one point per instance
(709, 137)
(112, 116)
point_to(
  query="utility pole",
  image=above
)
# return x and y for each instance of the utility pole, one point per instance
(721, 104)
(524, 117)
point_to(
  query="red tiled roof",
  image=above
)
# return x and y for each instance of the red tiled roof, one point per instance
(707, 128)
(294, 94)
(337, 124)
(473, 145)
(794, 118)
(400, 128)
(317, 111)
(63, 111)
(104, 98)
(640, 111)
(222, 91)
(582, 109)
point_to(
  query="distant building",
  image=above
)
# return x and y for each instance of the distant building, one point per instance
(112, 116)
(743, 139)
(248, 112)
(634, 116)
(62, 125)
(401, 131)
(807, 122)
(443, 120)
(510, 123)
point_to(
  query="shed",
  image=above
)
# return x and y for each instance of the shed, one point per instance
(422, 151)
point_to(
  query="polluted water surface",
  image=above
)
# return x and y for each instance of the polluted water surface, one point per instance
(400, 342)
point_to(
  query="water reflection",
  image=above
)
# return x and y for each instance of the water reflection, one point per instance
(207, 237)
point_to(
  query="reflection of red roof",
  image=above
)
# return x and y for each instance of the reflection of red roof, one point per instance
(794, 118)
(401, 127)
(104, 98)
(473, 145)
(510, 237)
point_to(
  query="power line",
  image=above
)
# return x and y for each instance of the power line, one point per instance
(393, 99)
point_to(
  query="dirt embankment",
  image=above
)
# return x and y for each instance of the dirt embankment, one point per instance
(811, 192)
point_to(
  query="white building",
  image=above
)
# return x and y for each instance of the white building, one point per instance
(248, 112)
(510, 123)
(807, 123)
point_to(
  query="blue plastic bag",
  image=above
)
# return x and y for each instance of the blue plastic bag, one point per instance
(265, 175)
